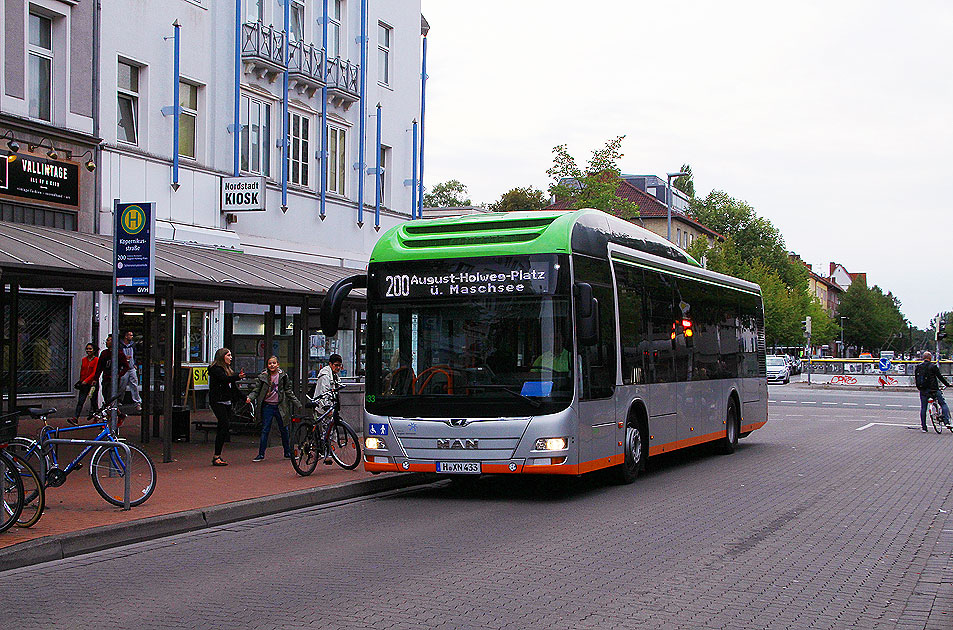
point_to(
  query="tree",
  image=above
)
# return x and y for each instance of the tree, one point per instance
(527, 198)
(448, 194)
(685, 183)
(875, 318)
(597, 186)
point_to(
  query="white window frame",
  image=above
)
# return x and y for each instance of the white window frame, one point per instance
(299, 9)
(263, 164)
(192, 113)
(43, 54)
(337, 160)
(335, 18)
(133, 97)
(299, 169)
(385, 38)
(259, 8)
(383, 175)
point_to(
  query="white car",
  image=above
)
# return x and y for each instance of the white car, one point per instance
(778, 369)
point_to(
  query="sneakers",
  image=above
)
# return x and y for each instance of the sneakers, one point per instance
(924, 429)
(258, 458)
(289, 456)
(73, 420)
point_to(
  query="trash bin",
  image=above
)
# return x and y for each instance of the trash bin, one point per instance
(181, 417)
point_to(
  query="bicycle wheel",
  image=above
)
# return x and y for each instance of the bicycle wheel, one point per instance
(934, 410)
(345, 449)
(34, 496)
(109, 471)
(11, 492)
(304, 451)
(29, 451)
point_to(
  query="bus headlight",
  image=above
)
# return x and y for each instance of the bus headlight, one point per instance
(552, 444)
(374, 444)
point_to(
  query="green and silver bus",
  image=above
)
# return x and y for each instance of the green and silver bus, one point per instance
(554, 342)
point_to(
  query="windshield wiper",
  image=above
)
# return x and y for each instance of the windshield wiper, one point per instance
(508, 390)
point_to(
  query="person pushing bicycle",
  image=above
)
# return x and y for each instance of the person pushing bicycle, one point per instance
(329, 381)
(927, 378)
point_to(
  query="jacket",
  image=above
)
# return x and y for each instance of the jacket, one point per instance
(104, 365)
(325, 379)
(286, 395)
(87, 370)
(931, 377)
(221, 386)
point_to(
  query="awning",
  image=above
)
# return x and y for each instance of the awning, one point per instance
(47, 257)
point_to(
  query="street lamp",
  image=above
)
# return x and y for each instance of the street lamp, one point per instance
(669, 204)
(843, 350)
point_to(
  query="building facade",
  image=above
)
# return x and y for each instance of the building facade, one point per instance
(326, 95)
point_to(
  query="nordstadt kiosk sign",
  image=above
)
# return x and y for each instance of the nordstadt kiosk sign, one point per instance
(243, 194)
(134, 245)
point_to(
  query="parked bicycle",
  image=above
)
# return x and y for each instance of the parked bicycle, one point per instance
(11, 482)
(107, 467)
(936, 416)
(34, 496)
(323, 436)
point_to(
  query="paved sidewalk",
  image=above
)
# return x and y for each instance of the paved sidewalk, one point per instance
(190, 494)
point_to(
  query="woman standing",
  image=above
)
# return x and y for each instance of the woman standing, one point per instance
(279, 396)
(86, 384)
(221, 394)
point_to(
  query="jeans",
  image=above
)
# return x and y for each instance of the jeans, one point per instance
(223, 413)
(86, 390)
(938, 396)
(130, 381)
(269, 413)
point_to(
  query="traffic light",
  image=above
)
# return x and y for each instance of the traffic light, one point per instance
(941, 330)
(806, 326)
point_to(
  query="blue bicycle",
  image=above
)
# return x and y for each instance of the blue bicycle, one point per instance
(107, 468)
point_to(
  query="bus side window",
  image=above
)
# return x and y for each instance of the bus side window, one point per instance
(631, 322)
(598, 361)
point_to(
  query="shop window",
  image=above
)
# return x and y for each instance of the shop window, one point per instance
(43, 344)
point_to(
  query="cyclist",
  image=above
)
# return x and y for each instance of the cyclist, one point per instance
(926, 376)
(328, 380)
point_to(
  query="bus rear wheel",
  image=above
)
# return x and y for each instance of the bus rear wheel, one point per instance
(627, 471)
(732, 428)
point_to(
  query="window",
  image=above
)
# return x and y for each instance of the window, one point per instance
(41, 67)
(298, 153)
(254, 10)
(337, 159)
(128, 110)
(189, 102)
(385, 158)
(44, 340)
(256, 136)
(383, 52)
(297, 23)
(334, 29)
(678, 236)
(598, 360)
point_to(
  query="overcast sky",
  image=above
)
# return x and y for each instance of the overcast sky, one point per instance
(832, 119)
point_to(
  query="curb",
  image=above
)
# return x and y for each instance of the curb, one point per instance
(61, 546)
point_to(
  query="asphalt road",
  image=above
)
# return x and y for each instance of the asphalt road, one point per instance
(832, 516)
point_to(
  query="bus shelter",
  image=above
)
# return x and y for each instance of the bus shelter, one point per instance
(45, 258)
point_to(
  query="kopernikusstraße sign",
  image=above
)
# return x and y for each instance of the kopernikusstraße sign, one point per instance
(40, 179)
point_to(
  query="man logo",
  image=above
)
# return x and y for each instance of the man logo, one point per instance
(458, 444)
(133, 219)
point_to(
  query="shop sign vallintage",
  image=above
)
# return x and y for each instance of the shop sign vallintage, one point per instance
(39, 179)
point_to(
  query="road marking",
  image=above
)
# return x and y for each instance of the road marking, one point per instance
(871, 404)
(808, 402)
(789, 401)
(873, 424)
(850, 404)
(893, 405)
(829, 403)
(772, 401)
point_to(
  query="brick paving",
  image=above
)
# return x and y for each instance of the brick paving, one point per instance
(189, 482)
(811, 524)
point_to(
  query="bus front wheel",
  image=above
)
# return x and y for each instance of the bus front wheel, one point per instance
(627, 471)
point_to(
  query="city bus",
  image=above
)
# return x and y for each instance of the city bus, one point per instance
(551, 342)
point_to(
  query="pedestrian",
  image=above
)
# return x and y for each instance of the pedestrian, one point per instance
(328, 381)
(130, 380)
(104, 370)
(276, 405)
(222, 392)
(86, 385)
(927, 377)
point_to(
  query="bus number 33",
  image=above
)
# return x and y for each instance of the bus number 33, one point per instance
(397, 286)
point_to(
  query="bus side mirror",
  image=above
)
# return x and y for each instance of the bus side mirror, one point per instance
(331, 306)
(587, 315)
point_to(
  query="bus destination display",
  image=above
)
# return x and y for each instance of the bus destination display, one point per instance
(467, 278)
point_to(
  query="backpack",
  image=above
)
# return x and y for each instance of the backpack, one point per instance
(920, 375)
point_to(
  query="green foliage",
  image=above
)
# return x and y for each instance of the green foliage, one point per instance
(448, 194)
(874, 318)
(527, 198)
(824, 328)
(685, 183)
(594, 187)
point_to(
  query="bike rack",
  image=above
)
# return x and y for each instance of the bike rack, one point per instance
(128, 459)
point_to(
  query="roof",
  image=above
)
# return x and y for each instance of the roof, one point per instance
(649, 207)
(47, 257)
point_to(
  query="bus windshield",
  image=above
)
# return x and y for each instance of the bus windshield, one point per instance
(489, 357)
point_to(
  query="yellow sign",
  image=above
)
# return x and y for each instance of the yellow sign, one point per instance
(133, 219)
(200, 377)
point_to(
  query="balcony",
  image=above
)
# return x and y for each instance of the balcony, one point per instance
(308, 69)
